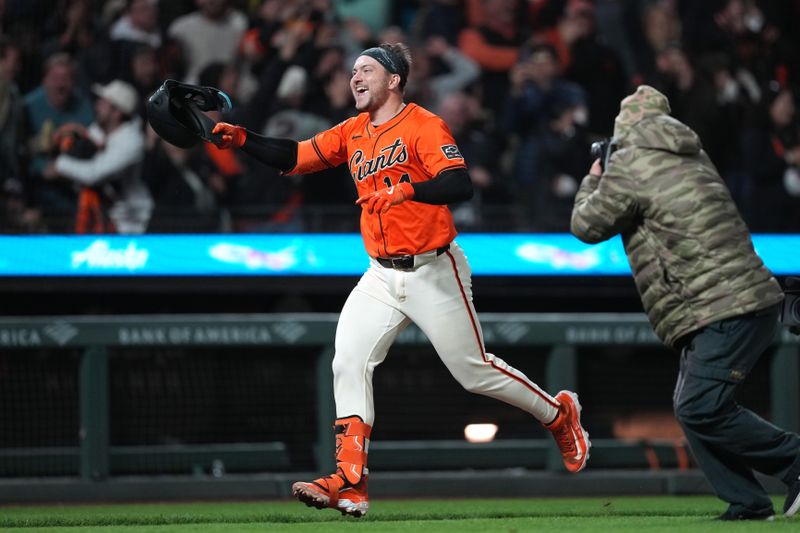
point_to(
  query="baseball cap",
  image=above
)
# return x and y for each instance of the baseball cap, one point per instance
(120, 94)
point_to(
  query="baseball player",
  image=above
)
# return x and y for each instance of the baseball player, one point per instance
(406, 168)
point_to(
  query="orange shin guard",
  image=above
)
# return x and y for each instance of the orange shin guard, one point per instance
(346, 489)
(352, 440)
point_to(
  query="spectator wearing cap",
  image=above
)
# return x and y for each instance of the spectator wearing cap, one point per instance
(111, 177)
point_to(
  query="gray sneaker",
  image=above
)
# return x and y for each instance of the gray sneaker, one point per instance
(792, 503)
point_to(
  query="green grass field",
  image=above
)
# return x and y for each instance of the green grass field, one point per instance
(667, 513)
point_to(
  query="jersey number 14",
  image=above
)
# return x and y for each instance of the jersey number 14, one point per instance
(405, 178)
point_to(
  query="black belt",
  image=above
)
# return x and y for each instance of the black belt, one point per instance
(405, 262)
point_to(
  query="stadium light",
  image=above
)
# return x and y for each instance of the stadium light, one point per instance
(480, 432)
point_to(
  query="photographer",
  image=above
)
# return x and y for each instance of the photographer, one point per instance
(706, 291)
(109, 169)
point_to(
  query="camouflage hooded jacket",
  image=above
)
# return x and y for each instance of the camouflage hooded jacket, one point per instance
(690, 252)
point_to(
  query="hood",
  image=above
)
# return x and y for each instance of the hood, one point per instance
(644, 121)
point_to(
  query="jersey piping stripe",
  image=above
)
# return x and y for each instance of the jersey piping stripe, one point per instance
(454, 167)
(319, 152)
(398, 118)
(527, 384)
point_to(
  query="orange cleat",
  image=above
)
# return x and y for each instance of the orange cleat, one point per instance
(354, 501)
(573, 441)
(320, 493)
(346, 490)
(323, 493)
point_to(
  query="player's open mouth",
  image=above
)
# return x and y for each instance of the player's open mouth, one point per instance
(361, 90)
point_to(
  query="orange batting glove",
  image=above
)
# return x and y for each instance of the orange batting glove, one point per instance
(380, 201)
(232, 136)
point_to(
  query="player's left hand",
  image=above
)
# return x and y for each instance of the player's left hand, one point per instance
(380, 201)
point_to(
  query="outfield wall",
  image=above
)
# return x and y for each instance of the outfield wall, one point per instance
(111, 444)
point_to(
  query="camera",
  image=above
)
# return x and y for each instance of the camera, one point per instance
(790, 311)
(79, 146)
(602, 150)
(71, 139)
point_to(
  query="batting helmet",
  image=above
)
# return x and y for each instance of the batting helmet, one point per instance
(175, 112)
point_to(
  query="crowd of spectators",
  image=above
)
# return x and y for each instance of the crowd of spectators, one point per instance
(525, 86)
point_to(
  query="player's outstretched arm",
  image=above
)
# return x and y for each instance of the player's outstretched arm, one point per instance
(448, 187)
(278, 153)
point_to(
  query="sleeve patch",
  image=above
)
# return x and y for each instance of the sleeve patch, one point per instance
(451, 151)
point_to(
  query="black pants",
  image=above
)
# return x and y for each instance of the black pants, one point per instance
(728, 441)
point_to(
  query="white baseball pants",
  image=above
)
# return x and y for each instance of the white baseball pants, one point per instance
(437, 297)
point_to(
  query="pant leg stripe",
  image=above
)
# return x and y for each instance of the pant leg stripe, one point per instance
(481, 347)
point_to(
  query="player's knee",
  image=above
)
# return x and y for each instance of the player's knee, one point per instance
(341, 367)
(472, 385)
(696, 414)
(473, 377)
(348, 369)
(684, 411)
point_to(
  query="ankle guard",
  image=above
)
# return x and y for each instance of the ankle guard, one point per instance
(352, 440)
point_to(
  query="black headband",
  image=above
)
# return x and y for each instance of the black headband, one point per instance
(389, 60)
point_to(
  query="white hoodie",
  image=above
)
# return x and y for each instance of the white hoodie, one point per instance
(116, 168)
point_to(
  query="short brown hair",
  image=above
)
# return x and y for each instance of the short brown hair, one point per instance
(394, 57)
(401, 51)
(58, 58)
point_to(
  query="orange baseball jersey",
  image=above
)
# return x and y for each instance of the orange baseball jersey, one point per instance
(414, 146)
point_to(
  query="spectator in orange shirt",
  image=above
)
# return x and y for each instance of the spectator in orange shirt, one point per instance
(494, 45)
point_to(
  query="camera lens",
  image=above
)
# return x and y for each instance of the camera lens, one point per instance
(794, 310)
(596, 150)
